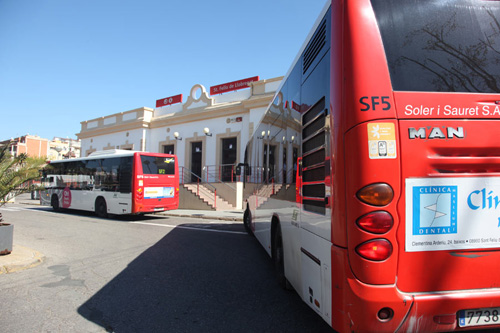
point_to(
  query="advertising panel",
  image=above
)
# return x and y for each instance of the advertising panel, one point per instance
(158, 192)
(452, 213)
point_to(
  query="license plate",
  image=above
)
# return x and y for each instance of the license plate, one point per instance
(479, 317)
(160, 209)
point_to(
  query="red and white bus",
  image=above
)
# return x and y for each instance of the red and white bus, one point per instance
(113, 182)
(394, 108)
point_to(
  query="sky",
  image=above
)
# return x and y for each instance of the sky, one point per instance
(66, 61)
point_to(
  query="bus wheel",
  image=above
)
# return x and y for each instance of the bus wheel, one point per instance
(247, 220)
(279, 260)
(54, 202)
(101, 209)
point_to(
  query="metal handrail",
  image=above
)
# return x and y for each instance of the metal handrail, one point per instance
(186, 172)
(215, 175)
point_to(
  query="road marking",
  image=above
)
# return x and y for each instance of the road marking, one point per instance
(11, 209)
(31, 209)
(191, 228)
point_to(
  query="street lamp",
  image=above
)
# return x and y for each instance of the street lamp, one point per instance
(206, 130)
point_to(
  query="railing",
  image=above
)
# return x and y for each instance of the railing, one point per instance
(226, 173)
(187, 177)
(223, 173)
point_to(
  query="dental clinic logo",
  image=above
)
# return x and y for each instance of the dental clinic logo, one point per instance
(434, 210)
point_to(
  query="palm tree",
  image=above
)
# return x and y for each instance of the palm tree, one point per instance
(16, 174)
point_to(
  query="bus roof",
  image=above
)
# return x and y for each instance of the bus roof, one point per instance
(304, 45)
(111, 153)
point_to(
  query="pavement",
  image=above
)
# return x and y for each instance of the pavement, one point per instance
(22, 258)
(224, 215)
(19, 259)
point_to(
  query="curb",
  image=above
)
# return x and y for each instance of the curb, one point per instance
(206, 217)
(20, 259)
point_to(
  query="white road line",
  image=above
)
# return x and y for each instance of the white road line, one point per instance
(11, 209)
(190, 228)
(22, 209)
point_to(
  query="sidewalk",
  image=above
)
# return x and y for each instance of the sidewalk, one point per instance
(233, 215)
(20, 258)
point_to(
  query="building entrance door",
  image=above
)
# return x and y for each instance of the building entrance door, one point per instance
(168, 149)
(228, 158)
(270, 165)
(196, 160)
(284, 170)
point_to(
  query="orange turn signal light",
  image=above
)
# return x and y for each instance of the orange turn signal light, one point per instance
(379, 194)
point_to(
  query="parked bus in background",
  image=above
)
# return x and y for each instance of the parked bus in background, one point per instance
(113, 182)
(394, 108)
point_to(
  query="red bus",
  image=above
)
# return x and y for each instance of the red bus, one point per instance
(113, 182)
(394, 107)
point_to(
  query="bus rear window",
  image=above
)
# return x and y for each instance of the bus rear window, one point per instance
(443, 46)
(152, 165)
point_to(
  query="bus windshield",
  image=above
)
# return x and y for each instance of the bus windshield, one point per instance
(442, 46)
(153, 165)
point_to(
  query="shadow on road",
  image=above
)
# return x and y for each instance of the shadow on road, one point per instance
(198, 281)
(76, 212)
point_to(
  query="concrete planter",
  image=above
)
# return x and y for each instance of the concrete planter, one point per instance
(6, 238)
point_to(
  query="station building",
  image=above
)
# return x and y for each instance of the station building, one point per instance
(208, 132)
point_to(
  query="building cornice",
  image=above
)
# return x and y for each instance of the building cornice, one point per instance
(119, 123)
(194, 110)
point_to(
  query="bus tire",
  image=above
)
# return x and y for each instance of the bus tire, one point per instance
(54, 202)
(101, 209)
(247, 221)
(279, 259)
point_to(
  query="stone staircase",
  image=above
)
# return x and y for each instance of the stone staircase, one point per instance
(265, 192)
(209, 197)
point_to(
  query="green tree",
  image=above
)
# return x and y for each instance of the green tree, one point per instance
(16, 174)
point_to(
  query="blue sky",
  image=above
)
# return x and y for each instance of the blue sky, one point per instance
(66, 61)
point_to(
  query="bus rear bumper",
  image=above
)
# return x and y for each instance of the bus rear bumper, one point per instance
(148, 209)
(440, 312)
(360, 307)
(356, 305)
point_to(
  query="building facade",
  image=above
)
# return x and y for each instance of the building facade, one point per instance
(32, 145)
(208, 133)
(63, 148)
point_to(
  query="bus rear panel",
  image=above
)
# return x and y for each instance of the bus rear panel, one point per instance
(156, 183)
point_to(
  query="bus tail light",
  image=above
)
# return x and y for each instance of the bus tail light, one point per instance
(376, 249)
(379, 194)
(378, 222)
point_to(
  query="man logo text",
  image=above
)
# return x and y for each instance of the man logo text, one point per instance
(436, 133)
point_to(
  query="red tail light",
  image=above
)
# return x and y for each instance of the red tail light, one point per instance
(379, 194)
(376, 222)
(376, 249)
(139, 195)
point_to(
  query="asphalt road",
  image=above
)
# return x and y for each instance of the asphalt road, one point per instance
(151, 274)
